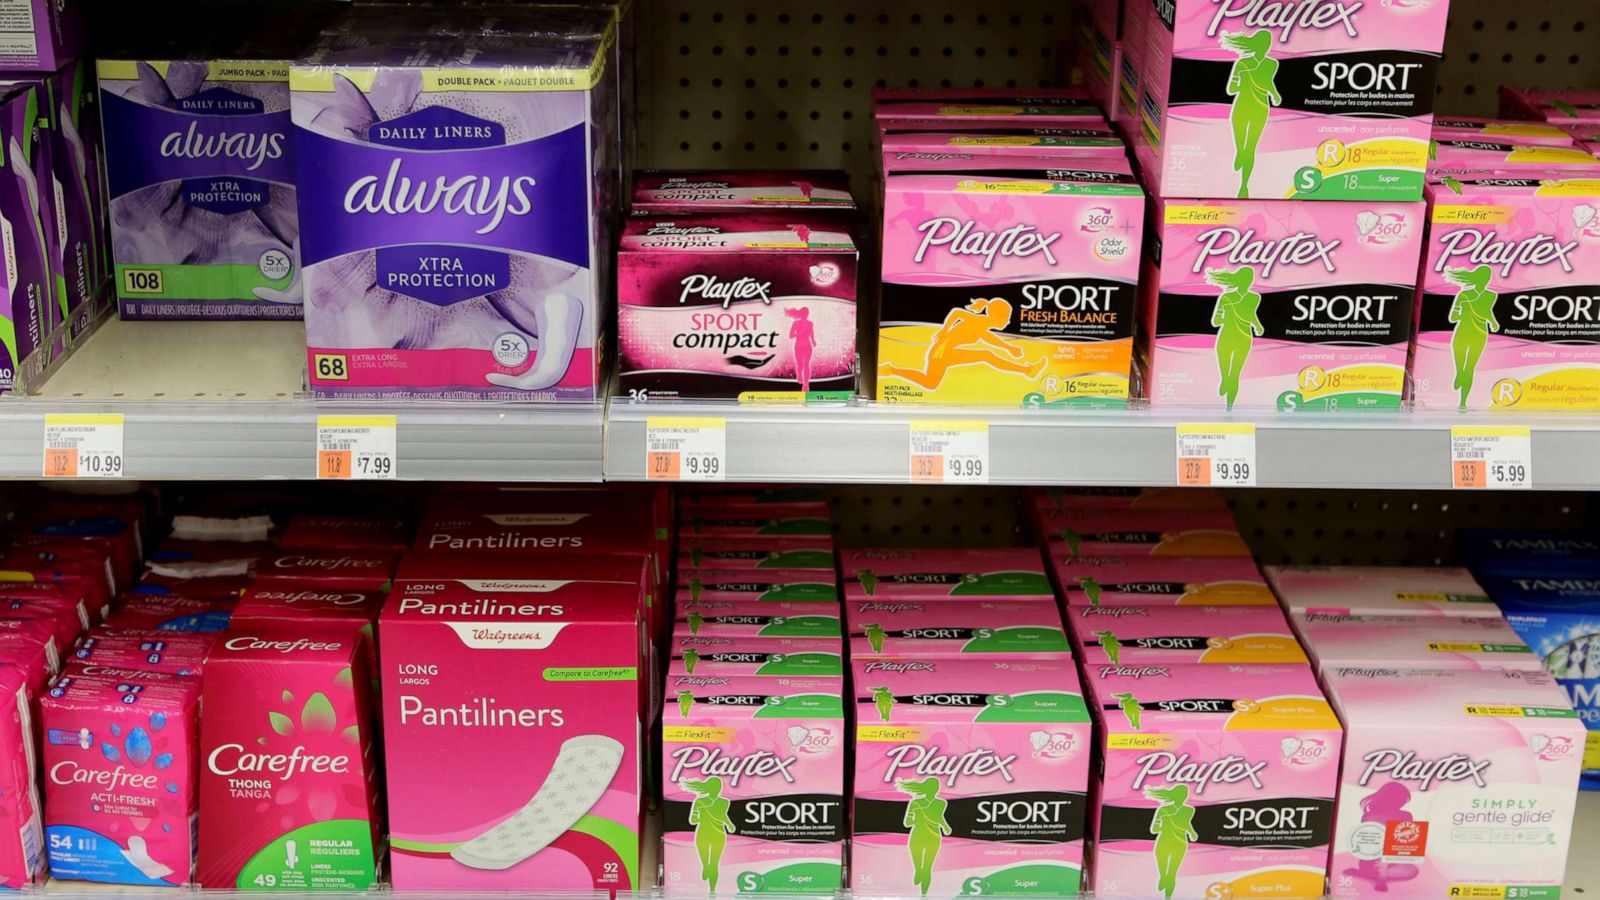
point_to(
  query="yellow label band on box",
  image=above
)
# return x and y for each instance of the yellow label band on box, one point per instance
(698, 734)
(888, 734)
(1140, 741)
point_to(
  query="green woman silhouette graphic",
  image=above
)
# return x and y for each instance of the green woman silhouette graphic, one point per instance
(1237, 325)
(685, 703)
(884, 701)
(925, 818)
(1173, 827)
(875, 636)
(1091, 589)
(1130, 709)
(691, 658)
(1473, 315)
(869, 581)
(712, 825)
(695, 621)
(1251, 85)
(696, 588)
(1110, 644)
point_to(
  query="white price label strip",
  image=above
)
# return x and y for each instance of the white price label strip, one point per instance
(78, 445)
(686, 448)
(1491, 457)
(949, 451)
(358, 448)
(1221, 454)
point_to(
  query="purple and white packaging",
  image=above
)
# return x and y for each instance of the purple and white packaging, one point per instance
(25, 318)
(41, 35)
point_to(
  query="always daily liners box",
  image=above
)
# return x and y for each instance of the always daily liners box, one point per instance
(1412, 642)
(753, 781)
(954, 628)
(1217, 781)
(1455, 783)
(1431, 591)
(893, 573)
(1161, 581)
(971, 777)
(1136, 635)
(746, 655)
(513, 653)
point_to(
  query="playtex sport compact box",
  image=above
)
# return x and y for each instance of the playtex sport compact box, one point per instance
(1280, 305)
(1141, 532)
(1423, 642)
(971, 777)
(1007, 287)
(656, 192)
(1155, 635)
(931, 574)
(941, 628)
(1216, 781)
(533, 658)
(1161, 581)
(1507, 316)
(1422, 591)
(1455, 783)
(753, 776)
(699, 655)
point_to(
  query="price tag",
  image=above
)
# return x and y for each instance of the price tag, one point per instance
(356, 447)
(78, 445)
(1491, 457)
(686, 448)
(949, 451)
(1221, 454)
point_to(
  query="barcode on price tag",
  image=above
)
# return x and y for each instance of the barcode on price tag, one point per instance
(1220, 454)
(83, 445)
(686, 448)
(1498, 457)
(356, 447)
(949, 451)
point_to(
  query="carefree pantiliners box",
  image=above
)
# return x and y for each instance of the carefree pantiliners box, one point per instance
(1218, 781)
(518, 656)
(939, 628)
(956, 573)
(1137, 635)
(971, 777)
(1381, 591)
(1455, 783)
(1413, 642)
(1161, 581)
(753, 775)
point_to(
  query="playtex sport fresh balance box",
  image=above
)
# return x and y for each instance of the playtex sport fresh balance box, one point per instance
(971, 777)
(931, 574)
(1135, 635)
(1217, 781)
(541, 660)
(1454, 784)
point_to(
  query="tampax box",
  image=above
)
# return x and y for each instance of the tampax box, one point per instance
(1280, 305)
(22, 845)
(120, 772)
(1422, 642)
(745, 655)
(799, 586)
(173, 652)
(1136, 635)
(753, 781)
(1142, 532)
(545, 667)
(894, 573)
(656, 192)
(1453, 782)
(358, 570)
(1506, 317)
(1431, 591)
(1161, 581)
(1537, 551)
(288, 724)
(757, 618)
(1007, 287)
(971, 776)
(1216, 780)
(944, 628)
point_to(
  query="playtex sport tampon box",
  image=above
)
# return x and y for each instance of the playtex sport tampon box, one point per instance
(1217, 781)
(516, 654)
(1161, 581)
(656, 192)
(1425, 591)
(753, 554)
(1507, 316)
(1274, 305)
(753, 775)
(1142, 532)
(745, 655)
(894, 573)
(790, 586)
(971, 777)
(757, 618)
(1155, 635)
(1427, 642)
(941, 628)
(1454, 782)
(1519, 131)
(1330, 101)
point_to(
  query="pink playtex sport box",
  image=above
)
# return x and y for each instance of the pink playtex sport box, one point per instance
(933, 574)
(1217, 781)
(1454, 782)
(1381, 591)
(1413, 642)
(943, 628)
(794, 553)
(120, 769)
(1142, 532)
(1085, 170)
(778, 521)
(757, 618)
(792, 586)
(683, 192)
(21, 844)
(752, 774)
(288, 725)
(512, 652)
(1281, 305)
(1507, 154)
(1051, 142)
(1521, 131)
(1158, 635)
(744, 655)
(1162, 581)
(971, 777)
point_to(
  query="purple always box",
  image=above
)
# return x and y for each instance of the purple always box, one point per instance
(26, 352)
(41, 35)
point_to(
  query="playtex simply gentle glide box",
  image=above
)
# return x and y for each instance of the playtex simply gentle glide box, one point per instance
(1455, 783)
(971, 777)
(545, 667)
(1327, 100)
(1280, 305)
(1412, 642)
(944, 628)
(1216, 781)
(656, 192)
(288, 725)
(744, 655)
(1137, 635)
(1426, 591)
(1142, 532)
(753, 775)
(893, 573)
(1007, 287)
(1507, 317)
(1162, 581)
(737, 305)
(200, 170)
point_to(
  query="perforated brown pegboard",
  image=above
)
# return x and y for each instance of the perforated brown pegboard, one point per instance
(1547, 43)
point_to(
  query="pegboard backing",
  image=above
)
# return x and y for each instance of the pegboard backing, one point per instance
(1543, 43)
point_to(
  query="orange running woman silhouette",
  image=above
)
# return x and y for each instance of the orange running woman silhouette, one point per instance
(968, 337)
